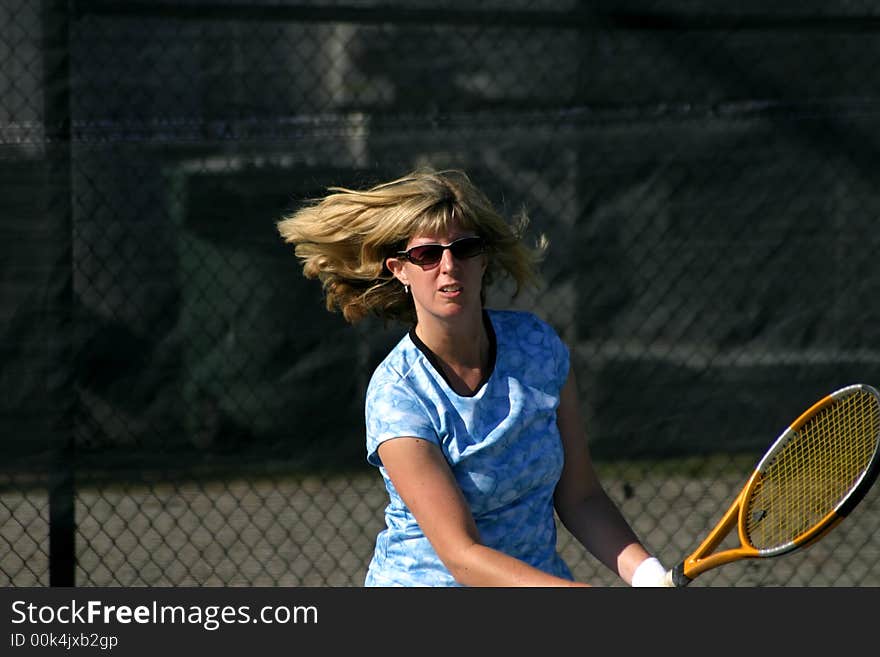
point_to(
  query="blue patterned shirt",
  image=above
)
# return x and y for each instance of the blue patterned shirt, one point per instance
(502, 444)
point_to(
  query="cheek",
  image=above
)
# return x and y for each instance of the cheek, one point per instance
(416, 276)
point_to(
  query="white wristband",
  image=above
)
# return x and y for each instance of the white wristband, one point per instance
(649, 573)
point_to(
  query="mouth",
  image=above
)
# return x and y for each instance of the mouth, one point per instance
(451, 290)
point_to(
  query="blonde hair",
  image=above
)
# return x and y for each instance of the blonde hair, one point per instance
(344, 238)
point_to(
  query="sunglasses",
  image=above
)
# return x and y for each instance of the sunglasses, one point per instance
(427, 256)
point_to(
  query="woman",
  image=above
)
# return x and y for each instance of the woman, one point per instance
(473, 418)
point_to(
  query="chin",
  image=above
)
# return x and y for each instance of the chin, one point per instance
(452, 310)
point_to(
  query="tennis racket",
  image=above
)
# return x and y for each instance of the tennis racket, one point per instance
(812, 477)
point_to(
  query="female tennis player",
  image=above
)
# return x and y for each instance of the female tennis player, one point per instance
(473, 418)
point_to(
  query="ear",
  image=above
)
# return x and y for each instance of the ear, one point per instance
(395, 266)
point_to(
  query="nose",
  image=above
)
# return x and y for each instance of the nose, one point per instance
(447, 260)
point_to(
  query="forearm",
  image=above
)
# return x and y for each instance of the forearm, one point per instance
(479, 565)
(583, 505)
(597, 523)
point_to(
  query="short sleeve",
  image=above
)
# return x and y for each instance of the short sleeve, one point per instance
(547, 354)
(392, 410)
(561, 356)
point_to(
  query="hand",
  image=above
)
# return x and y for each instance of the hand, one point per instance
(651, 573)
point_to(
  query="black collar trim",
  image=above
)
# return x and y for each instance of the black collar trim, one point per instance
(435, 361)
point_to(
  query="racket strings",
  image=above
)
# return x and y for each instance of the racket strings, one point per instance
(813, 471)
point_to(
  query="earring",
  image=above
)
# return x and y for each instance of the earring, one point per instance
(405, 288)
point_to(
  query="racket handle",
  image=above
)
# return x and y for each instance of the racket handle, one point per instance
(677, 577)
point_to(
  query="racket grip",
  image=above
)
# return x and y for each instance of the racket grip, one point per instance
(677, 577)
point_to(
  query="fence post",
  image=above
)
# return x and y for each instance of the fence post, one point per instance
(59, 293)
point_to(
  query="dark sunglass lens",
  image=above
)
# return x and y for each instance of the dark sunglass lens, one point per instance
(467, 248)
(430, 254)
(426, 255)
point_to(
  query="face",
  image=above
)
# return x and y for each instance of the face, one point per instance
(446, 288)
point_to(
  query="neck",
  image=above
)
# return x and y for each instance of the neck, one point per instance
(462, 343)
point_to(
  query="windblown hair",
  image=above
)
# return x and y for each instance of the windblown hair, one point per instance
(344, 238)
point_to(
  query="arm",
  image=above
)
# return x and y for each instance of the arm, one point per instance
(583, 505)
(427, 486)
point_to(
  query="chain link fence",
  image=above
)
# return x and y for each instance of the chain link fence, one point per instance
(180, 410)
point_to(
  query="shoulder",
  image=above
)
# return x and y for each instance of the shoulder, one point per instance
(399, 400)
(522, 324)
(530, 346)
(397, 364)
(399, 376)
